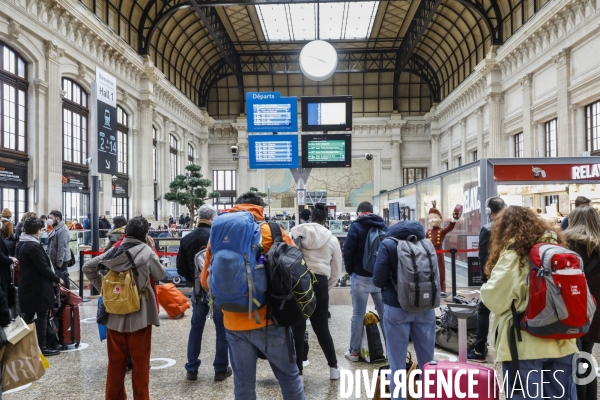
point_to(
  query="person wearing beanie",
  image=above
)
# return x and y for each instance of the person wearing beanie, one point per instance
(6, 215)
(305, 216)
(437, 234)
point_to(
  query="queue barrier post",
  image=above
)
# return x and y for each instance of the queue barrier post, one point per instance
(453, 266)
(81, 274)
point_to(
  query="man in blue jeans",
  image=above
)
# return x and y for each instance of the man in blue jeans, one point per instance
(398, 323)
(189, 246)
(361, 281)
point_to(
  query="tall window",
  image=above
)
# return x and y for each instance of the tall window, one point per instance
(154, 155)
(75, 116)
(412, 175)
(446, 166)
(224, 183)
(475, 155)
(551, 138)
(13, 99)
(519, 145)
(458, 161)
(122, 129)
(592, 128)
(120, 206)
(191, 154)
(173, 155)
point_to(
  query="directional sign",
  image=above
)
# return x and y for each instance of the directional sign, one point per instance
(273, 151)
(106, 121)
(269, 112)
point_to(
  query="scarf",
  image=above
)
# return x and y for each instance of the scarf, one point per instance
(205, 221)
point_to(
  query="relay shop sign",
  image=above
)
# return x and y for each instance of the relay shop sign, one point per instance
(269, 112)
(547, 172)
(106, 120)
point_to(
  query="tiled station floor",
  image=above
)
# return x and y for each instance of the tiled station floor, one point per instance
(81, 374)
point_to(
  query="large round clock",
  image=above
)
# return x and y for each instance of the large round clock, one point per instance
(318, 60)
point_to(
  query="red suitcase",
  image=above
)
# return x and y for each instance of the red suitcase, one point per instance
(69, 328)
(486, 386)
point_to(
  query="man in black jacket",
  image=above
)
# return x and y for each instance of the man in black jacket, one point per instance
(190, 245)
(493, 207)
(361, 281)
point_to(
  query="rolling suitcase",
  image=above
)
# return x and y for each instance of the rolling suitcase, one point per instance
(486, 387)
(69, 328)
(172, 300)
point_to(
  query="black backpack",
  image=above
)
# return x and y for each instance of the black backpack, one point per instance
(290, 282)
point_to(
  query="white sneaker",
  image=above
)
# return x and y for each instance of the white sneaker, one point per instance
(334, 373)
(351, 356)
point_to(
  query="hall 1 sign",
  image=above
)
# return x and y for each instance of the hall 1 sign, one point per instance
(106, 120)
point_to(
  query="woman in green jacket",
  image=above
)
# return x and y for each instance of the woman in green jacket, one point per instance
(545, 367)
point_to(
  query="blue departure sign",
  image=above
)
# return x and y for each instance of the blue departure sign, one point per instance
(269, 112)
(273, 151)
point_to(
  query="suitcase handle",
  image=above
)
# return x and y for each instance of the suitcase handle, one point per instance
(462, 311)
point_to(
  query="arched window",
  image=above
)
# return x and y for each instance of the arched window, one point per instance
(75, 120)
(191, 154)
(173, 151)
(154, 155)
(122, 130)
(13, 99)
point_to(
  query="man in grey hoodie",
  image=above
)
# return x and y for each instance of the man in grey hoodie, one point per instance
(58, 246)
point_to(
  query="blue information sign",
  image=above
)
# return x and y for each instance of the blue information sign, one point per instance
(269, 112)
(273, 151)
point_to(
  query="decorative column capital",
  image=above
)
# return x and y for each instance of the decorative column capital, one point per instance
(14, 28)
(40, 86)
(495, 98)
(395, 143)
(526, 81)
(463, 122)
(435, 138)
(146, 105)
(135, 130)
(161, 142)
(562, 58)
(479, 112)
(53, 52)
(203, 142)
(242, 145)
(62, 94)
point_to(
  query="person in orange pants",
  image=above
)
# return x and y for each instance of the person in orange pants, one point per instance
(130, 333)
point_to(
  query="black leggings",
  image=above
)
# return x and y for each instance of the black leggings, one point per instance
(320, 324)
(41, 323)
(589, 391)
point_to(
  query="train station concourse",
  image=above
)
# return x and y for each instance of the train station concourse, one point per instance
(171, 120)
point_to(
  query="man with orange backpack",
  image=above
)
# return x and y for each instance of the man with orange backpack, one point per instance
(190, 245)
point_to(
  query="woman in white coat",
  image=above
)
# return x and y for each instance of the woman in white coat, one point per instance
(323, 256)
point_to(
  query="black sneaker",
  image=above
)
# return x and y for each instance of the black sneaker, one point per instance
(476, 356)
(221, 376)
(50, 352)
(191, 375)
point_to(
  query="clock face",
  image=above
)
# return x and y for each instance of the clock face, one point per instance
(318, 60)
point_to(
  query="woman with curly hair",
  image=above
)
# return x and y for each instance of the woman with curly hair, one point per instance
(583, 237)
(514, 233)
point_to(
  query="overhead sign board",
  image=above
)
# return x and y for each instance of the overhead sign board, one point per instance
(106, 122)
(273, 151)
(317, 197)
(269, 112)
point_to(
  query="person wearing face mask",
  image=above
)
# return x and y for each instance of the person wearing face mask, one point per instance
(116, 232)
(36, 292)
(58, 245)
(19, 226)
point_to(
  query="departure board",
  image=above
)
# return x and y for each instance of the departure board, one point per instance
(326, 150)
(269, 112)
(273, 151)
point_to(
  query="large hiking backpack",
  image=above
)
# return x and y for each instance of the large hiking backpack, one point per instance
(374, 238)
(119, 290)
(418, 284)
(291, 295)
(237, 282)
(560, 303)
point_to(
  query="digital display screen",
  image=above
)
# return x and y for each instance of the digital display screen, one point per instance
(268, 112)
(326, 113)
(327, 151)
(273, 151)
(276, 115)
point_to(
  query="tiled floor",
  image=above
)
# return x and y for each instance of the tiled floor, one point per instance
(81, 374)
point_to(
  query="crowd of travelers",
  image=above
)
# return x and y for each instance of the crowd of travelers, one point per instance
(39, 248)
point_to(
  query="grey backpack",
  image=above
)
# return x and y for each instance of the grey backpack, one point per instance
(418, 284)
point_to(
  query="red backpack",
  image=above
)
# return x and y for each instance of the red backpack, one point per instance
(560, 303)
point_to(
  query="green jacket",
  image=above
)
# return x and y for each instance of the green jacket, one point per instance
(508, 284)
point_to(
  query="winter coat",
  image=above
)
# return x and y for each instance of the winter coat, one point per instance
(321, 251)
(593, 281)
(484, 247)
(37, 277)
(11, 245)
(104, 227)
(354, 245)
(508, 285)
(385, 271)
(18, 230)
(58, 245)
(5, 275)
(190, 245)
(148, 265)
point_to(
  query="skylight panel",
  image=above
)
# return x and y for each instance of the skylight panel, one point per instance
(342, 20)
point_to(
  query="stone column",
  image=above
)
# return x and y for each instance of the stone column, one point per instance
(563, 67)
(203, 151)
(38, 156)
(528, 133)
(52, 142)
(435, 154)
(450, 145)
(479, 115)
(497, 146)
(144, 203)
(463, 141)
(242, 144)
(166, 170)
(395, 126)
(580, 132)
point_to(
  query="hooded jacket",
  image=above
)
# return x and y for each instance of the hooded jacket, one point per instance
(148, 265)
(235, 321)
(321, 251)
(354, 245)
(385, 271)
(58, 245)
(190, 245)
(508, 285)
